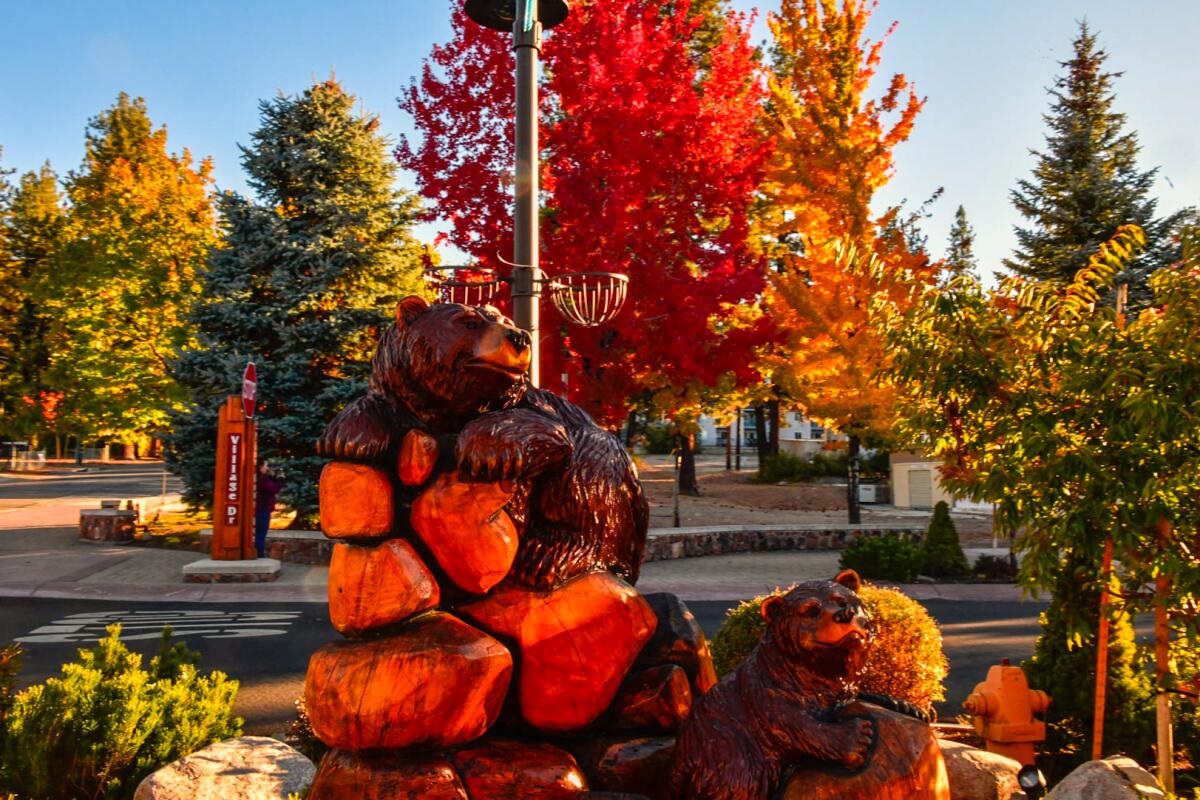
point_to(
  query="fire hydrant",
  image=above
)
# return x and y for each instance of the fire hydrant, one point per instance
(1003, 707)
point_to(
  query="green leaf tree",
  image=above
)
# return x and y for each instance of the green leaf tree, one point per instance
(302, 281)
(140, 226)
(1086, 182)
(1080, 427)
(32, 240)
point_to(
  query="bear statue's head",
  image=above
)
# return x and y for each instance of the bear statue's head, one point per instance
(449, 363)
(821, 627)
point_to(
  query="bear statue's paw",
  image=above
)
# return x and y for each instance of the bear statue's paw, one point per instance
(511, 445)
(364, 431)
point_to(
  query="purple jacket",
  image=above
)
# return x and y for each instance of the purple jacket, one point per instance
(268, 490)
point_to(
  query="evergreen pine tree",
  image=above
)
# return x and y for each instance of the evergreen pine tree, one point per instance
(305, 277)
(941, 554)
(960, 254)
(32, 232)
(1086, 182)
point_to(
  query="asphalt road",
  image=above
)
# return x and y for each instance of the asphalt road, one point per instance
(58, 483)
(266, 646)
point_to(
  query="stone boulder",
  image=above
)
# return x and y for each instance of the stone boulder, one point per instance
(1113, 778)
(979, 775)
(249, 768)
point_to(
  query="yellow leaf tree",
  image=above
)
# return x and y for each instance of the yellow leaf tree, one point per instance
(832, 151)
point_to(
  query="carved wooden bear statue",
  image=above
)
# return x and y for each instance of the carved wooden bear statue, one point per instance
(785, 722)
(455, 374)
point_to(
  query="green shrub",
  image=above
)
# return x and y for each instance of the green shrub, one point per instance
(941, 554)
(789, 468)
(906, 659)
(995, 568)
(883, 558)
(1064, 666)
(105, 723)
(659, 439)
(783, 467)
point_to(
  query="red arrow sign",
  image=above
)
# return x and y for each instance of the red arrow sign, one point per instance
(249, 389)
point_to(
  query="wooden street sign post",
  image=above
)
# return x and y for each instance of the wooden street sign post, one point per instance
(233, 494)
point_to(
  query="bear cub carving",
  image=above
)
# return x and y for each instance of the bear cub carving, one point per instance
(458, 373)
(780, 706)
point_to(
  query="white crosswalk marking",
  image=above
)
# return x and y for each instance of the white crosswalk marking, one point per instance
(204, 623)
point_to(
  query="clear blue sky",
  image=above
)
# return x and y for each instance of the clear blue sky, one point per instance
(203, 66)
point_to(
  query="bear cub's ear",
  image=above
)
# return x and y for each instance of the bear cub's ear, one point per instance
(849, 578)
(771, 607)
(409, 309)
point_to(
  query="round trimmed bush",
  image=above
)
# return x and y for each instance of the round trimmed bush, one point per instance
(906, 659)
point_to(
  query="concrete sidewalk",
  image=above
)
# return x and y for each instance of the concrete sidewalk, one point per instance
(52, 562)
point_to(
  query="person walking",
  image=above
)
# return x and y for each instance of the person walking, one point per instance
(266, 490)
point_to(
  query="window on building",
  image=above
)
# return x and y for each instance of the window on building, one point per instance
(818, 432)
(796, 415)
(798, 435)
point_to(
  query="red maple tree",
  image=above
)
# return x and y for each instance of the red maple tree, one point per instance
(650, 161)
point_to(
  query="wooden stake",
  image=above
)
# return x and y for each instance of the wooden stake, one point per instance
(1102, 657)
(1162, 667)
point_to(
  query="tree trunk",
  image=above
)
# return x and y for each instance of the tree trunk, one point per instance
(630, 428)
(728, 447)
(687, 465)
(773, 408)
(1162, 667)
(855, 516)
(760, 433)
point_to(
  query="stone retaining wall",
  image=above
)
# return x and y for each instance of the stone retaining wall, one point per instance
(692, 543)
(312, 547)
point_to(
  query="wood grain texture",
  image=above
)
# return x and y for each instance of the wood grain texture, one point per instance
(502, 769)
(436, 682)
(639, 766)
(655, 700)
(418, 457)
(370, 587)
(356, 501)
(467, 530)
(678, 640)
(385, 776)
(576, 644)
(905, 764)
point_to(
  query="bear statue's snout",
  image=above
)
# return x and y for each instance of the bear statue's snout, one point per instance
(518, 338)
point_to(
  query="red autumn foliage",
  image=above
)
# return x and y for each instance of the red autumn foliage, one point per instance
(650, 162)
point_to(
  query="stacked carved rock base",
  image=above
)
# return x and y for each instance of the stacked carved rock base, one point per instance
(439, 643)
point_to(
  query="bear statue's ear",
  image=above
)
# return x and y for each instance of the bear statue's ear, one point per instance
(409, 309)
(771, 607)
(849, 578)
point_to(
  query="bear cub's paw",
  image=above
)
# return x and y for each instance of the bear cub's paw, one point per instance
(857, 737)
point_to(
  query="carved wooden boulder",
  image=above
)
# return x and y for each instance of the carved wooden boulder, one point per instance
(437, 682)
(356, 501)
(576, 644)
(373, 587)
(466, 528)
(905, 764)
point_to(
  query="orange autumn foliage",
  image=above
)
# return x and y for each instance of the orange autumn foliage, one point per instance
(832, 151)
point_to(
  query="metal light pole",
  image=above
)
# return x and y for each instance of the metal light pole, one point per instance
(526, 19)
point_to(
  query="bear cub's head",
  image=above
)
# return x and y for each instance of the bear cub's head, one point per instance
(821, 627)
(452, 361)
